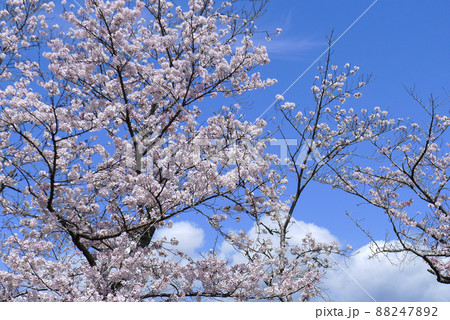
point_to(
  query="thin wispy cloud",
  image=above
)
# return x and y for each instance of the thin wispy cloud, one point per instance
(291, 48)
(319, 57)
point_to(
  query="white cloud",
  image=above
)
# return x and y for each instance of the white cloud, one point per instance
(408, 281)
(296, 234)
(300, 229)
(190, 237)
(289, 48)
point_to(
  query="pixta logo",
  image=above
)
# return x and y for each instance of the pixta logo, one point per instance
(140, 149)
(308, 150)
(137, 155)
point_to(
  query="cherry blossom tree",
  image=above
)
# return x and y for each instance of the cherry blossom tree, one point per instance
(113, 130)
(106, 138)
(408, 179)
(396, 165)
